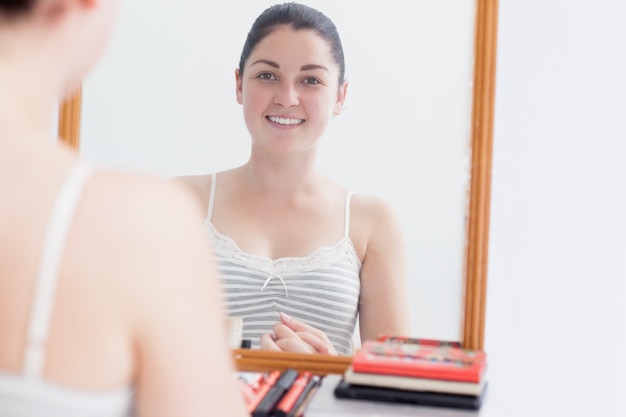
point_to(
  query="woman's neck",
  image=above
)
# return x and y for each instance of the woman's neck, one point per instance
(281, 176)
(27, 101)
(24, 115)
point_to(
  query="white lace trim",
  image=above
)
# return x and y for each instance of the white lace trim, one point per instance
(326, 255)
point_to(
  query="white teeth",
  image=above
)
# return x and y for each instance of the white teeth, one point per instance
(284, 121)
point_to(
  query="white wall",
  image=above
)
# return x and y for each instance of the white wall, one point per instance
(556, 315)
(163, 100)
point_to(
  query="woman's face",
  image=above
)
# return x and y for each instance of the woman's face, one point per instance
(289, 90)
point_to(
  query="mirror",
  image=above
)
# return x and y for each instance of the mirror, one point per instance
(416, 128)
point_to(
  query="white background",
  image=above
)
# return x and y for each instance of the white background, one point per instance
(164, 100)
(556, 314)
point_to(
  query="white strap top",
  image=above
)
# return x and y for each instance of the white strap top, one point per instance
(45, 286)
(29, 394)
(322, 289)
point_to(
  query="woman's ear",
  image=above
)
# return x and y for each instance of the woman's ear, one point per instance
(341, 98)
(52, 10)
(239, 86)
(89, 3)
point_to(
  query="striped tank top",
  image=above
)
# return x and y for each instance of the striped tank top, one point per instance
(320, 289)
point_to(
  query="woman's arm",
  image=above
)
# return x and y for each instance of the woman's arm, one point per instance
(383, 304)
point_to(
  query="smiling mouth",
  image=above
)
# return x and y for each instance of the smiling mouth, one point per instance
(285, 121)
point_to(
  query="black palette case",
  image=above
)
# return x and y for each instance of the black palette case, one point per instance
(436, 399)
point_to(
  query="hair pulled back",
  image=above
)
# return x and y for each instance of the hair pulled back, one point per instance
(15, 8)
(298, 17)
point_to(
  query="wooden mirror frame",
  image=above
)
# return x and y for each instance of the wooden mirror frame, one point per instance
(477, 226)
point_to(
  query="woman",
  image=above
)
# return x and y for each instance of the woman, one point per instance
(301, 256)
(92, 263)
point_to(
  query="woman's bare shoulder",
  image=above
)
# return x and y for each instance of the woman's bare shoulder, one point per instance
(139, 198)
(369, 208)
(136, 226)
(374, 222)
(199, 185)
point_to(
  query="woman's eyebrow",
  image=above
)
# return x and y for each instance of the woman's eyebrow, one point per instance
(312, 67)
(265, 61)
(273, 64)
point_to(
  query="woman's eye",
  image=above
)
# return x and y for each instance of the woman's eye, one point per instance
(311, 81)
(266, 76)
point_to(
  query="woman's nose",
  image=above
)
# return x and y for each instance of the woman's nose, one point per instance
(286, 95)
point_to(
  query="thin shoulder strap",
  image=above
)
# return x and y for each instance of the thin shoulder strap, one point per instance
(209, 211)
(53, 249)
(346, 223)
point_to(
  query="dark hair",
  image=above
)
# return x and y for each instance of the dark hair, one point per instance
(298, 17)
(14, 8)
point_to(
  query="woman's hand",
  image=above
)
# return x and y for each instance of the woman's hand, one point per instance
(292, 335)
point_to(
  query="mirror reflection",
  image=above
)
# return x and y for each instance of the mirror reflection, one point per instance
(403, 132)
